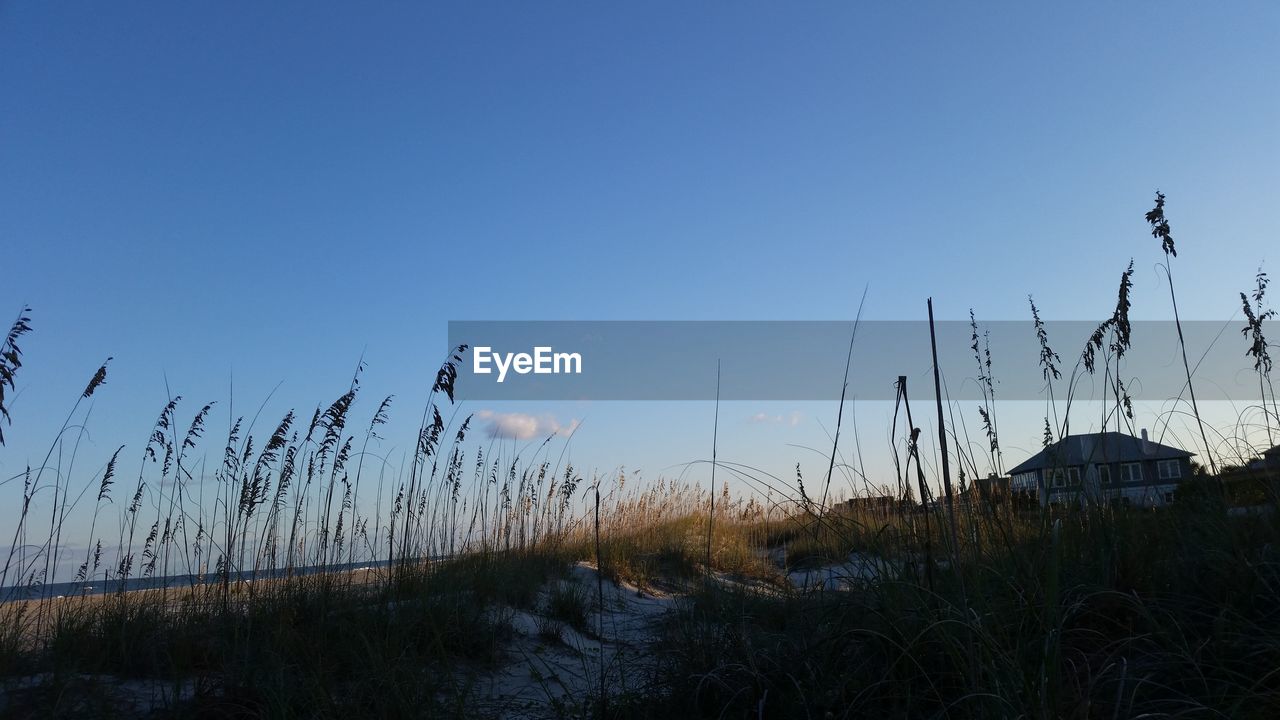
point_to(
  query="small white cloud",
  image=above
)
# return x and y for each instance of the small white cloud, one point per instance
(523, 426)
(792, 419)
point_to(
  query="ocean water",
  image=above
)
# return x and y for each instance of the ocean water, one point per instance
(102, 586)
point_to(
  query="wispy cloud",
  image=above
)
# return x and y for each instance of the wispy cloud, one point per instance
(523, 426)
(792, 419)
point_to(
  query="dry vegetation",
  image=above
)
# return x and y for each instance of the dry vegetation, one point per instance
(279, 592)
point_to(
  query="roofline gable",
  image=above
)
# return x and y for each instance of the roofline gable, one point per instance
(1104, 447)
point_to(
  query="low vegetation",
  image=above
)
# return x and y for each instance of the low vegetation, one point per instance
(264, 585)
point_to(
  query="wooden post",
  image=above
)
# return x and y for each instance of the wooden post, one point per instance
(914, 452)
(942, 437)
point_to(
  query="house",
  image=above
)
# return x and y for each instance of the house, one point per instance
(992, 490)
(1103, 467)
(992, 487)
(1268, 462)
(1257, 481)
(874, 503)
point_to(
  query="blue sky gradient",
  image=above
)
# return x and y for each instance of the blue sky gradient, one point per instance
(236, 196)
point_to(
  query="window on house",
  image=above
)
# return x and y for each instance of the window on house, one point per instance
(1131, 472)
(1073, 476)
(1055, 478)
(1104, 474)
(1169, 469)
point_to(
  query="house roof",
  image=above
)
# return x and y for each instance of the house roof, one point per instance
(1107, 447)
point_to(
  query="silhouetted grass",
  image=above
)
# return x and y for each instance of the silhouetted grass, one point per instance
(297, 596)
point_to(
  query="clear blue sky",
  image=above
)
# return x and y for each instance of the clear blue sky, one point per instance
(263, 191)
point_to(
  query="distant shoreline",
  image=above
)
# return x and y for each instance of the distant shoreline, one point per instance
(87, 588)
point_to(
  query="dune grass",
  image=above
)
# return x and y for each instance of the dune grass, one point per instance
(276, 590)
(1096, 614)
(1078, 611)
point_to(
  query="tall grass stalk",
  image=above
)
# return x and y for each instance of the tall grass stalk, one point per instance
(1161, 231)
(711, 508)
(844, 389)
(1076, 609)
(1256, 313)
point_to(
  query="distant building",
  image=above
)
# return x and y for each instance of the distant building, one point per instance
(1268, 462)
(1103, 467)
(879, 503)
(992, 487)
(1255, 484)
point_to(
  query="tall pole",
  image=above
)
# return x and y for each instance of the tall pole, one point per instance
(946, 481)
(942, 432)
(914, 452)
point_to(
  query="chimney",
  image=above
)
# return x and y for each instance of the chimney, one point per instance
(1146, 443)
